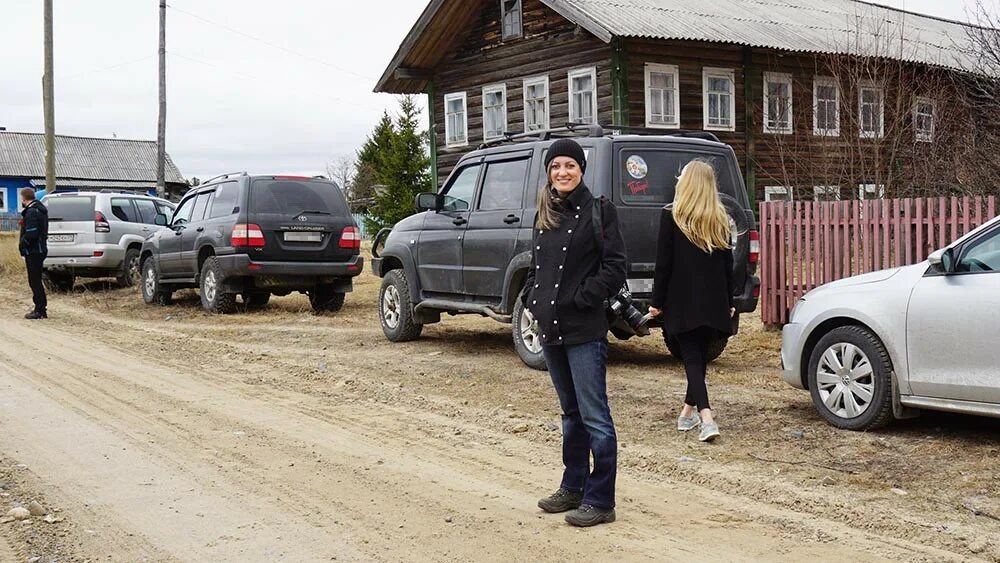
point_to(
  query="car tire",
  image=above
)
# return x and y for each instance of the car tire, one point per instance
(868, 379)
(153, 292)
(213, 297)
(325, 300)
(524, 331)
(395, 309)
(131, 272)
(257, 300)
(715, 348)
(58, 282)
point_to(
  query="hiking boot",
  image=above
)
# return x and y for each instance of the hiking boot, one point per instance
(589, 515)
(709, 432)
(35, 315)
(561, 501)
(685, 423)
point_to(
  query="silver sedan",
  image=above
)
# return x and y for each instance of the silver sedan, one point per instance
(889, 344)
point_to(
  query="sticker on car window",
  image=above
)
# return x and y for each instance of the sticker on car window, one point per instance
(636, 167)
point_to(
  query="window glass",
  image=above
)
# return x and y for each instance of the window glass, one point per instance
(70, 208)
(224, 201)
(503, 185)
(983, 255)
(165, 210)
(201, 205)
(456, 123)
(123, 210)
(649, 176)
(536, 95)
(183, 214)
(461, 191)
(147, 211)
(511, 18)
(494, 112)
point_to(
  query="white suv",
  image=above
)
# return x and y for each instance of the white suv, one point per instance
(99, 234)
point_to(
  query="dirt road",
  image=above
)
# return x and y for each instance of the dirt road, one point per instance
(168, 435)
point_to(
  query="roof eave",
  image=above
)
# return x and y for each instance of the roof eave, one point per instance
(383, 85)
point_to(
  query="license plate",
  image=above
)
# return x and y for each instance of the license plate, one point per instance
(60, 238)
(304, 237)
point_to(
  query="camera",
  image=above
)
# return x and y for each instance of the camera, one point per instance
(621, 309)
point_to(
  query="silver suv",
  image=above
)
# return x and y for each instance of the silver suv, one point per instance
(99, 234)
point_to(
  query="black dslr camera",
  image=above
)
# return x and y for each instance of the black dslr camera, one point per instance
(624, 316)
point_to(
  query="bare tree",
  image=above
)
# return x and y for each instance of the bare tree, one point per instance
(342, 171)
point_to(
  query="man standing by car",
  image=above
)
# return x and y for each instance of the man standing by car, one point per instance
(34, 247)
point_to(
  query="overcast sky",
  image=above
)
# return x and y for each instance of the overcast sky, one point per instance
(289, 98)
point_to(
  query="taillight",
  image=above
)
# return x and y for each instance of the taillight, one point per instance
(101, 224)
(247, 236)
(350, 238)
(754, 247)
(756, 292)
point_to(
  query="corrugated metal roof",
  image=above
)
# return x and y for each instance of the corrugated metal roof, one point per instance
(830, 26)
(97, 184)
(23, 154)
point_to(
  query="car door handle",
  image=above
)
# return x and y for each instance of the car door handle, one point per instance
(459, 221)
(511, 219)
(200, 229)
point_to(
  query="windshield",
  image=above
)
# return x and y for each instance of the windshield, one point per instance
(63, 208)
(289, 197)
(649, 176)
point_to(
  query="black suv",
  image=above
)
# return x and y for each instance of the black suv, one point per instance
(254, 236)
(469, 251)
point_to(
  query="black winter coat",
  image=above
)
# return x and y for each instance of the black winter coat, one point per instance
(570, 278)
(694, 288)
(34, 230)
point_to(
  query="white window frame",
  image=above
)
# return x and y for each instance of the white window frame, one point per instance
(778, 78)
(544, 80)
(771, 191)
(5, 199)
(729, 74)
(592, 73)
(519, 6)
(447, 129)
(821, 190)
(868, 85)
(492, 88)
(921, 136)
(674, 71)
(826, 81)
(866, 191)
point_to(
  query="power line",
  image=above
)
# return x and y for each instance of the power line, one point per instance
(111, 67)
(269, 44)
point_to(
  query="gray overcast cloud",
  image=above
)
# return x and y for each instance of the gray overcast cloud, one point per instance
(234, 103)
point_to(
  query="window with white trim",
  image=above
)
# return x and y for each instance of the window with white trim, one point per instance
(871, 111)
(3, 200)
(719, 87)
(871, 191)
(583, 95)
(494, 111)
(826, 193)
(536, 103)
(923, 119)
(456, 123)
(663, 96)
(511, 19)
(826, 107)
(778, 193)
(777, 102)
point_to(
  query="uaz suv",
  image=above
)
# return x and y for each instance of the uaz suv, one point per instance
(256, 236)
(468, 251)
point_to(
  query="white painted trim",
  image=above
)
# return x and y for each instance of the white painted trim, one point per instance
(825, 81)
(868, 85)
(520, 18)
(729, 74)
(465, 108)
(771, 191)
(878, 190)
(502, 88)
(589, 71)
(5, 194)
(674, 71)
(780, 78)
(548, 99)
(921, 138)
(821, 190)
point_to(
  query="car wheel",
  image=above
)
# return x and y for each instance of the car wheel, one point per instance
(850, 379)
(715, 348)
(527, 341)
(131, 272)
(58, 282)
(214, 298)
(395, 310)
(257, 300)
(153, 292)
(325, 300)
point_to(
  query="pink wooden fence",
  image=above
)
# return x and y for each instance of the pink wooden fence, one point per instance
(807, 244)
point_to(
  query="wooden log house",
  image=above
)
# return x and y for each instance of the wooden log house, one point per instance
(820, 100)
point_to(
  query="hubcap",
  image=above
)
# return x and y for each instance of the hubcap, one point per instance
(209, 286)
(845, 380)
(150, 285)
(529, 332)
(390, 307)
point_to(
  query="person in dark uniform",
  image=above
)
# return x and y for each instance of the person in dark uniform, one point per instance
(693, 284)
(34, 247)
(571, 276)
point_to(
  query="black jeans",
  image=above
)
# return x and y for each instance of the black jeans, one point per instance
(579, 373)
(34, 264)
(694, 348)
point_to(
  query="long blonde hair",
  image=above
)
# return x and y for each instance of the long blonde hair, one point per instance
(697, 209)
(548, 215)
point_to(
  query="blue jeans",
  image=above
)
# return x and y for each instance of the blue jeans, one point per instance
(579, 373)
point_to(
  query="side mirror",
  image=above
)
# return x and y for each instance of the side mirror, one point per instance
(942, 260)
(160, 220)
(429, 202)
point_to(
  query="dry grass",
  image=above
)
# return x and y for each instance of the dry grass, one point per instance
(11, 262)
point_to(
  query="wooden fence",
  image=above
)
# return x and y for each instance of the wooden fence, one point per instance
(807, 244)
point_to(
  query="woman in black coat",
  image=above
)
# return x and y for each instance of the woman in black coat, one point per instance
(569, 280)
(693, 284)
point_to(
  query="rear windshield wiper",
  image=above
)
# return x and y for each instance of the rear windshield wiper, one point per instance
(311, 212)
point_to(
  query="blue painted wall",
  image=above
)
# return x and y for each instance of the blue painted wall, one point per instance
(8, 191)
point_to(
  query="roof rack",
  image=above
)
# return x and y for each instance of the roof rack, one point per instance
(573, 130)
(223, 177)
(130, 192)
(685, 133)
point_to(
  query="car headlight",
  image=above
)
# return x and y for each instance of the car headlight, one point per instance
(798, 304)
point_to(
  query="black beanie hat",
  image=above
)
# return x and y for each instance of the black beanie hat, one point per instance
(566, 147)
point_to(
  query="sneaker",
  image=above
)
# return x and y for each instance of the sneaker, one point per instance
(35, 315)
(685, 423)
(561, 501)
(709, 432)
(589, 515)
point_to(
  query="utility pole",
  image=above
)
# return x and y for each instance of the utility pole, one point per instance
(48, 101)
(161, 134)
